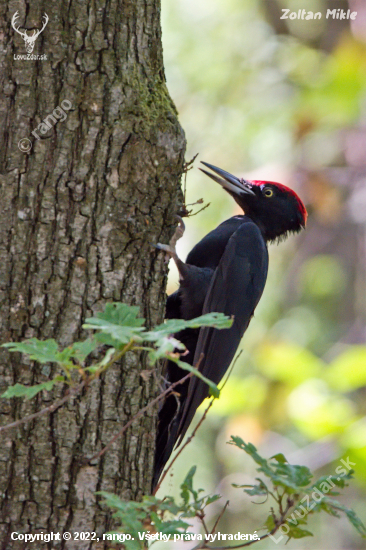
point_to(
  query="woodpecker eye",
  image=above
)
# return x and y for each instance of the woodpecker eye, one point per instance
(268, 192)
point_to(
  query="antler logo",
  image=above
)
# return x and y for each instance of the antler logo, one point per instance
(29, 40)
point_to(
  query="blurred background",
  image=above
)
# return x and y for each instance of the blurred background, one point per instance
(282, 100)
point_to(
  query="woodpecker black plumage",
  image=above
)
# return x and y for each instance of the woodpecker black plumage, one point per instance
(225, 272)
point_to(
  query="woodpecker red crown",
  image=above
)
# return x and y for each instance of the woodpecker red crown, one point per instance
(288, 190)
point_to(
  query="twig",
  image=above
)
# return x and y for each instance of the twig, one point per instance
(203, 545)
(189, 212)
(198, 211)
(198, 425)
(200, 514)
(219, 518)
(231, 369)
(189, 439)
(280, 522)
(138, 414)
(187, 166)
(70, 392)
(199, 201)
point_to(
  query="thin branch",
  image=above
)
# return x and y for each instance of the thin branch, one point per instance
(199, 201)
(231, 369)
(75, 390)
(189, 439)
(204, 525)
(219, 517)
(70, 393)
(198, 425)
(187, 166)
(138, 414)
(203, 545)
(198, 211)
(280, 522)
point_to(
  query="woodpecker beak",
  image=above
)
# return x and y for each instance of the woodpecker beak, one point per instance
(231, 183)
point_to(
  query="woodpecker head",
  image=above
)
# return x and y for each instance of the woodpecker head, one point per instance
(275, 208)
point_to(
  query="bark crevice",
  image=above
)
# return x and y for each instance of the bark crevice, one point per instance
(78, 214)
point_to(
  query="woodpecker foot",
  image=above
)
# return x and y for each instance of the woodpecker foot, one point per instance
(179, 232)
(170, 248)
(170, 251)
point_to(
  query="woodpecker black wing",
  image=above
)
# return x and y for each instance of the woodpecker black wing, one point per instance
(236, 287)
(186, 303)
(208, 252)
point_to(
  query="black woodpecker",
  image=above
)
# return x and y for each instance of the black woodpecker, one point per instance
(225, 272)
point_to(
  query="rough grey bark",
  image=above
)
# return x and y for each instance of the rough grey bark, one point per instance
(78, 214)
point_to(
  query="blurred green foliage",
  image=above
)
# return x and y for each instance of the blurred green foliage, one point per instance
(275, 100)
(294, 496)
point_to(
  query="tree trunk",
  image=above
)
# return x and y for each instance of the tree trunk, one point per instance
(79, 211)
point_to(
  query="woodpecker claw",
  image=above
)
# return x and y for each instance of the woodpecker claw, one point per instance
(168, 249)
(171, 253)
(179, 232)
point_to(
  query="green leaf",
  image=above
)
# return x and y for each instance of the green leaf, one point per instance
(211, 499)
(92, 369)
(187, 485)
(270, 523)
(119, 321)
(323, 505)
(81, 350)
(251, 451)
(112, 500)
(294, 478)
(135, 516)
(355, 521)
(64, 357)
(19, 390)
(280, 458)
(107, 340)
(350, 514)
(324, 483)
(42, 351)
(166, 345)
(172, 326)
(103, 362)
(260, 489)
(298, 533)
(291, 476)
(215, 392)
(107, 358)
